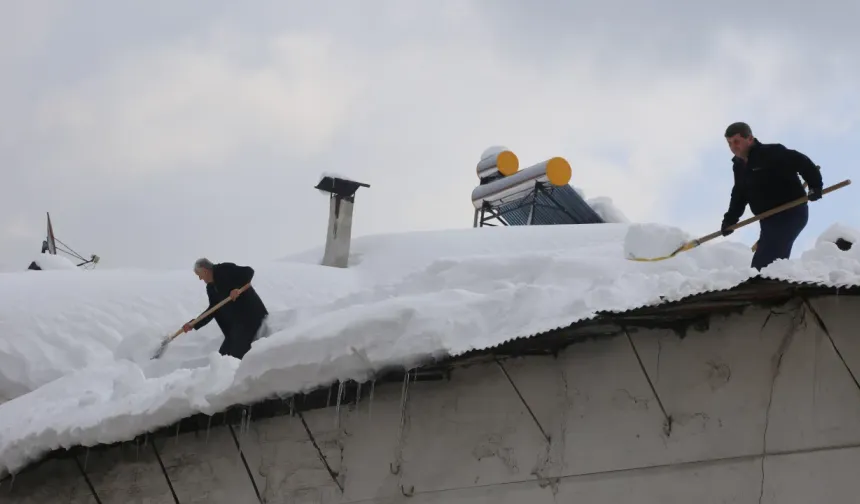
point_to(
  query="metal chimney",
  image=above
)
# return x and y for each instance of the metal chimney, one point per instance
(342, 198)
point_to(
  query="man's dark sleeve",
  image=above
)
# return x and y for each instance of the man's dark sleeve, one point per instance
(205, 320)
(801, 164)
(737, 205)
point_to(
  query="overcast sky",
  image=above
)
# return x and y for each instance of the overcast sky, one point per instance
(156, 132)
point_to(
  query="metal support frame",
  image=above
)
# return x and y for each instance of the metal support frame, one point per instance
(485, 216)
(489, 215)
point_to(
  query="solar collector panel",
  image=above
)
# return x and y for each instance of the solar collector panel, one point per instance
(549, 206)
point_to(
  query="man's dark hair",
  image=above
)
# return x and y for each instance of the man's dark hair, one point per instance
(739, 128)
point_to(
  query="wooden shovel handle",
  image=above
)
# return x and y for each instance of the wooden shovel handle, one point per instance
(210, 311)
(772, 211)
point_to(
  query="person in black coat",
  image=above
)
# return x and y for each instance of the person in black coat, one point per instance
(766, 176)
(239, 320)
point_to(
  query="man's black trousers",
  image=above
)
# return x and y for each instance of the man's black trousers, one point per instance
(238, 339)
(778, 233)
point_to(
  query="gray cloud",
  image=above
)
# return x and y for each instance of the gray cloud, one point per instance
(162, 138)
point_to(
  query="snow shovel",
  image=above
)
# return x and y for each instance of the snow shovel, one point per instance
(785, 206)
(163, 346)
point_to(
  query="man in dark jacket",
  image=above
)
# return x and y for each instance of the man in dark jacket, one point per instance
(239, 320)
(766, 176)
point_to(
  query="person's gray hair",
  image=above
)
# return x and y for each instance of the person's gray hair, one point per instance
(203, 263)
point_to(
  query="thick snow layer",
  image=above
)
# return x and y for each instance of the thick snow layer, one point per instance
(81, 341)
(54, 262)
(647, 241)
(604, 207)
(53, 324)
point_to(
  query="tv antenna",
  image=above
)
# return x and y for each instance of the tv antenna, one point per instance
(52, 245)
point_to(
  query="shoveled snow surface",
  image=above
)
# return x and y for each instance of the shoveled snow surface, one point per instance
(55, 323)
(645, 241)
(405, 297)
(54, 262)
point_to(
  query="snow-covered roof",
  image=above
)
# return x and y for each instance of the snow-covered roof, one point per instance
(74, 348)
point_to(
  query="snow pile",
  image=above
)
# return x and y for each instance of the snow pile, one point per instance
(54, 262)
(837, 233)
(646, 241)
(825, 263)
(604, 208)
(406, 298)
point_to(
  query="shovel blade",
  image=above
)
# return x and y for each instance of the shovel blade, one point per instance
(683, 248)
(161, 348)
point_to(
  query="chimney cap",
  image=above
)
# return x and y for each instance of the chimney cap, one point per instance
(342, 187)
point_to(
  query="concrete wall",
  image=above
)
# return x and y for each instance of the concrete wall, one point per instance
(586, 427)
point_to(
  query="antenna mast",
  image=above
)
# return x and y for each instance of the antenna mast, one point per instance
(49, 246)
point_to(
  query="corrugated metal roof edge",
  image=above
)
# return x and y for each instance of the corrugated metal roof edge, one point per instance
(602, 313)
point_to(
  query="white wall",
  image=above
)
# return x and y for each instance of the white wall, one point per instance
(472, 440)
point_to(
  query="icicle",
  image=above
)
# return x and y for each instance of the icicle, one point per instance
(370, 400)
(248, 424)
(179, 424)
(358, 394)
(12, 482)
(242, 422)
(403, 395)
(394, 467)
(145, 440)
(337, 407)
(328, 401)
(208, 427)
(137, 450)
